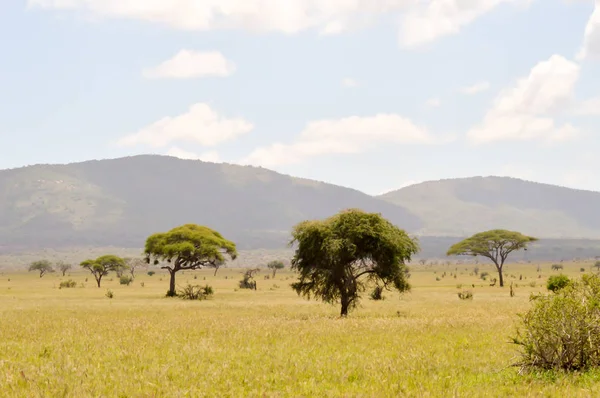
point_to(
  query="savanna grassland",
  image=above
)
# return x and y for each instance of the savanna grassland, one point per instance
(76, 342)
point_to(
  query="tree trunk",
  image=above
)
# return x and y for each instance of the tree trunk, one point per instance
(216, 269)
(98, 280)
(345, 305)
(500, 277)
(274, 272)
(172, 284)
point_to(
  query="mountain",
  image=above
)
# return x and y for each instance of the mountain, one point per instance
(120, 202)
(461, 207)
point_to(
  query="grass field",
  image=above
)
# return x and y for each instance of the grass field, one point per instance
(270, 342)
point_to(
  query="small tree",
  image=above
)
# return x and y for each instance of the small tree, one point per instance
(338, 256)
(132, 264)
(101, 266)
(41, 266)
(63, 267)
(496, 245)
(274, 266)
(248, 281)
(557, 282)
(188, 247)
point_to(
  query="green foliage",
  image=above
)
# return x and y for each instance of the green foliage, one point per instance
(333, 256)
(101, 266)
(562, 330)
(41, 266)
(110, 294)
(465, 295)
(496, 245)
(67, 284)
(275, 265)
(191, 292)
(557, 282)
(188, 247)
(125, 280)
(150, 273)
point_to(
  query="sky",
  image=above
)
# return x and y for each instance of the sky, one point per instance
(369, 94)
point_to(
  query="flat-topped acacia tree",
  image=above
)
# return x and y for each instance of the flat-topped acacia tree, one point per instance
(101, 266)
(338, 256)
(188, 247)
(496, 245)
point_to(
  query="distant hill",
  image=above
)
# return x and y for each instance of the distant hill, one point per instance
(120, 202)
(460, 207)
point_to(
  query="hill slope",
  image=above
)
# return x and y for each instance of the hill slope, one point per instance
(460, 207)
(120, 202)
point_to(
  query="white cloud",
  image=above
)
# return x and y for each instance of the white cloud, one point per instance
(591, 38)
(348, 82)
(188, 64)
(476, 88)
(343, 136)
(525, 111)
(201, 124)
(433, 19)
(288, 16)
(210, 156)
(590, 107)
(433, 102)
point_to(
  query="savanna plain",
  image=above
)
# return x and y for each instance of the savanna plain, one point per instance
(77, 342)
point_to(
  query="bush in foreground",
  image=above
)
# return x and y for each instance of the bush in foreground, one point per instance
(557, 282)
(562, 330)
(191, 292)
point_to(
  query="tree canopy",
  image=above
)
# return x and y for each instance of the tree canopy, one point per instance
(496, 245)
(188, 247)
(275, 265)
(41, 266)
(101, 266)
(338, 256)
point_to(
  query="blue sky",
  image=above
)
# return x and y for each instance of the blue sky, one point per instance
(371, 94)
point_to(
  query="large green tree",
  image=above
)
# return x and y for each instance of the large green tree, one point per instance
(188, 247)
(41, 266)
(496, 245)
(101, 266)
(338, 257)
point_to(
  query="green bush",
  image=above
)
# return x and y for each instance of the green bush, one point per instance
(110, 294)
(562, 330)
(67, 284)
(150, 273)
(465, 295)
(377, 293)
(125, 280)
(191, 292)
(557, 282)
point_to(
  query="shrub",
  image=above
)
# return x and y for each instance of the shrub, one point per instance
(581, 269)
(484, 275)
(562, 330)
(465, 295)
(67, 284)
(248, 281)
(557, 282)
(110, 294)
(125, 280)
(377, 293)
(150, 273)
(196, 292)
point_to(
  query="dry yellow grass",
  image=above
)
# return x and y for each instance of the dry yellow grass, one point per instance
(427, 343)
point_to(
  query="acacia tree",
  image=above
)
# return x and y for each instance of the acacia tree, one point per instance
(338, 257)
(188, 247)
(41, 266)
(63, 267)
(496, 245)
(275, 265)
(101, 266)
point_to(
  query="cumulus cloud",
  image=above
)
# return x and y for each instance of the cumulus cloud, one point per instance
(433, 19)
(289, 16)
(200, 124)
(591, 37)
(188, 64)
(210, 156)
(476, 88)
(590, 107)
(526, 111)
(342, 136)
